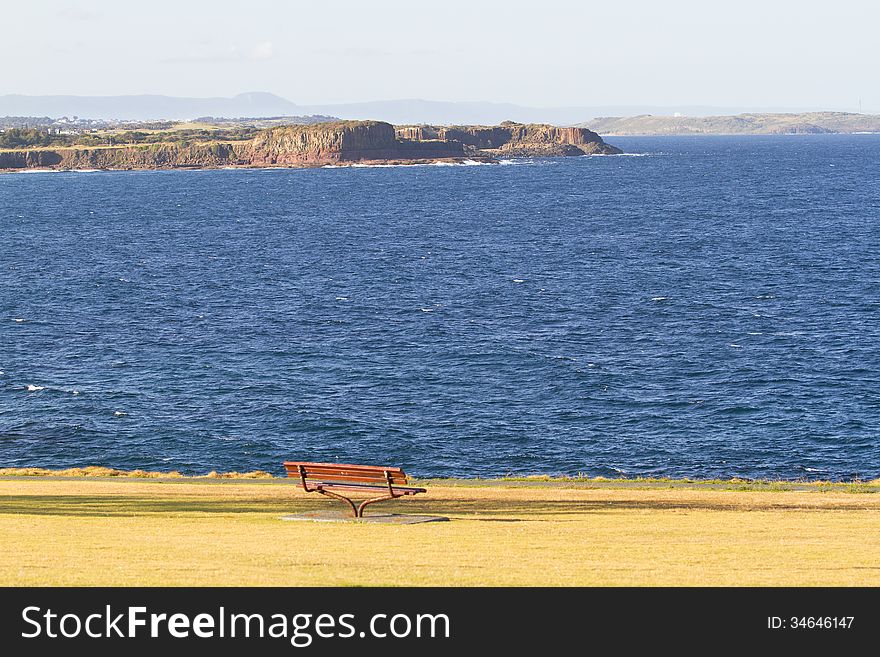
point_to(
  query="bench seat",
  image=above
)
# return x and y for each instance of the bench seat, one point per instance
(403, 490)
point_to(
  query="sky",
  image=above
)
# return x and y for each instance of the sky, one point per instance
(543, 53)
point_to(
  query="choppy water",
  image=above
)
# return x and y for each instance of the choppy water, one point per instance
(711, 308)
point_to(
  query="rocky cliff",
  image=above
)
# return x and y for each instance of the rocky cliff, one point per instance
(516, 139)
(153, 156)
(341, 141)
(325, 143)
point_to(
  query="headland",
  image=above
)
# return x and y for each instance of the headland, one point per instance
(311, 145)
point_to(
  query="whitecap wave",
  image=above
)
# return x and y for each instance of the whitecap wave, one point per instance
(622, 154)
(33, 388)
(441, 163)
(395, 165)
(361, 165)
(521, 161)
(38, 171)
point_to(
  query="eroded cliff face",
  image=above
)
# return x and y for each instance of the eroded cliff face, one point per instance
(326, 143)
(550, 138)
(320, 144)
(29, 159)
(516, 139)
(154, 156)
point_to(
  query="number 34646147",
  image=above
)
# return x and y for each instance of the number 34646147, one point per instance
(810, 622)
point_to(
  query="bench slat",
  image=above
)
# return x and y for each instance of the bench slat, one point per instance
(345, 473)
(345, 466)
(366, 474)
(332, 476)
(404, 490)
(345, 476)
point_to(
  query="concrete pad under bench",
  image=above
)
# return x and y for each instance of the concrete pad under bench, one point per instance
(380, 518)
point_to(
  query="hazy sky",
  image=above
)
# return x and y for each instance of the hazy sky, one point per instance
(543, 53)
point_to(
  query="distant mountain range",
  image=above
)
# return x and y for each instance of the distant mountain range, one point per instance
(261, 104)
(145, 107)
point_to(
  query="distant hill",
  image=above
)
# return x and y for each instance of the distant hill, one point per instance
(261, 104)
(436, 112)
(146, 107)
(741, 124)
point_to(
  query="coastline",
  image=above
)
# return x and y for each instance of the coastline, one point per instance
(534, 481)
(449, 161)
(339, 143)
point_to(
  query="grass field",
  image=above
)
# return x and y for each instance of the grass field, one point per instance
(99, 531)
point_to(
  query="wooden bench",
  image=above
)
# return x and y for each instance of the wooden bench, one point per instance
(328, 478)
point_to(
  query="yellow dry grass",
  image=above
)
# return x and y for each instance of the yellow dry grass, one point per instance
(100, 471)
(195, 532)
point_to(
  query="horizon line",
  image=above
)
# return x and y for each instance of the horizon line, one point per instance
(672, 107)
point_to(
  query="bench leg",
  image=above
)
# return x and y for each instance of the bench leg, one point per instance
(354, 509)
(357, 510)
(360, 510)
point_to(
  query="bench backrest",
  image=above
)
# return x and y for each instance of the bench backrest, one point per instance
(342, 472)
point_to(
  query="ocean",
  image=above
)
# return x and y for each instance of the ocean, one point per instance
(700, 307)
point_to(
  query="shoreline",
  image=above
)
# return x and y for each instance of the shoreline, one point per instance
(99, 473)
(353, 164)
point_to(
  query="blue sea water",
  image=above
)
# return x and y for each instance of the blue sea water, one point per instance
(703, 307)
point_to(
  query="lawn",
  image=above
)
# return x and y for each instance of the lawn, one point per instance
(104, 532)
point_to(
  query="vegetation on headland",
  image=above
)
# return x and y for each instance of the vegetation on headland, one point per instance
(126, 531)
(19, 138)
(33, 138)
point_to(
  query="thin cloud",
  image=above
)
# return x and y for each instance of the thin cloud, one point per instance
(264, 50)
(77, 13)
(359, 52)
(259, 52)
